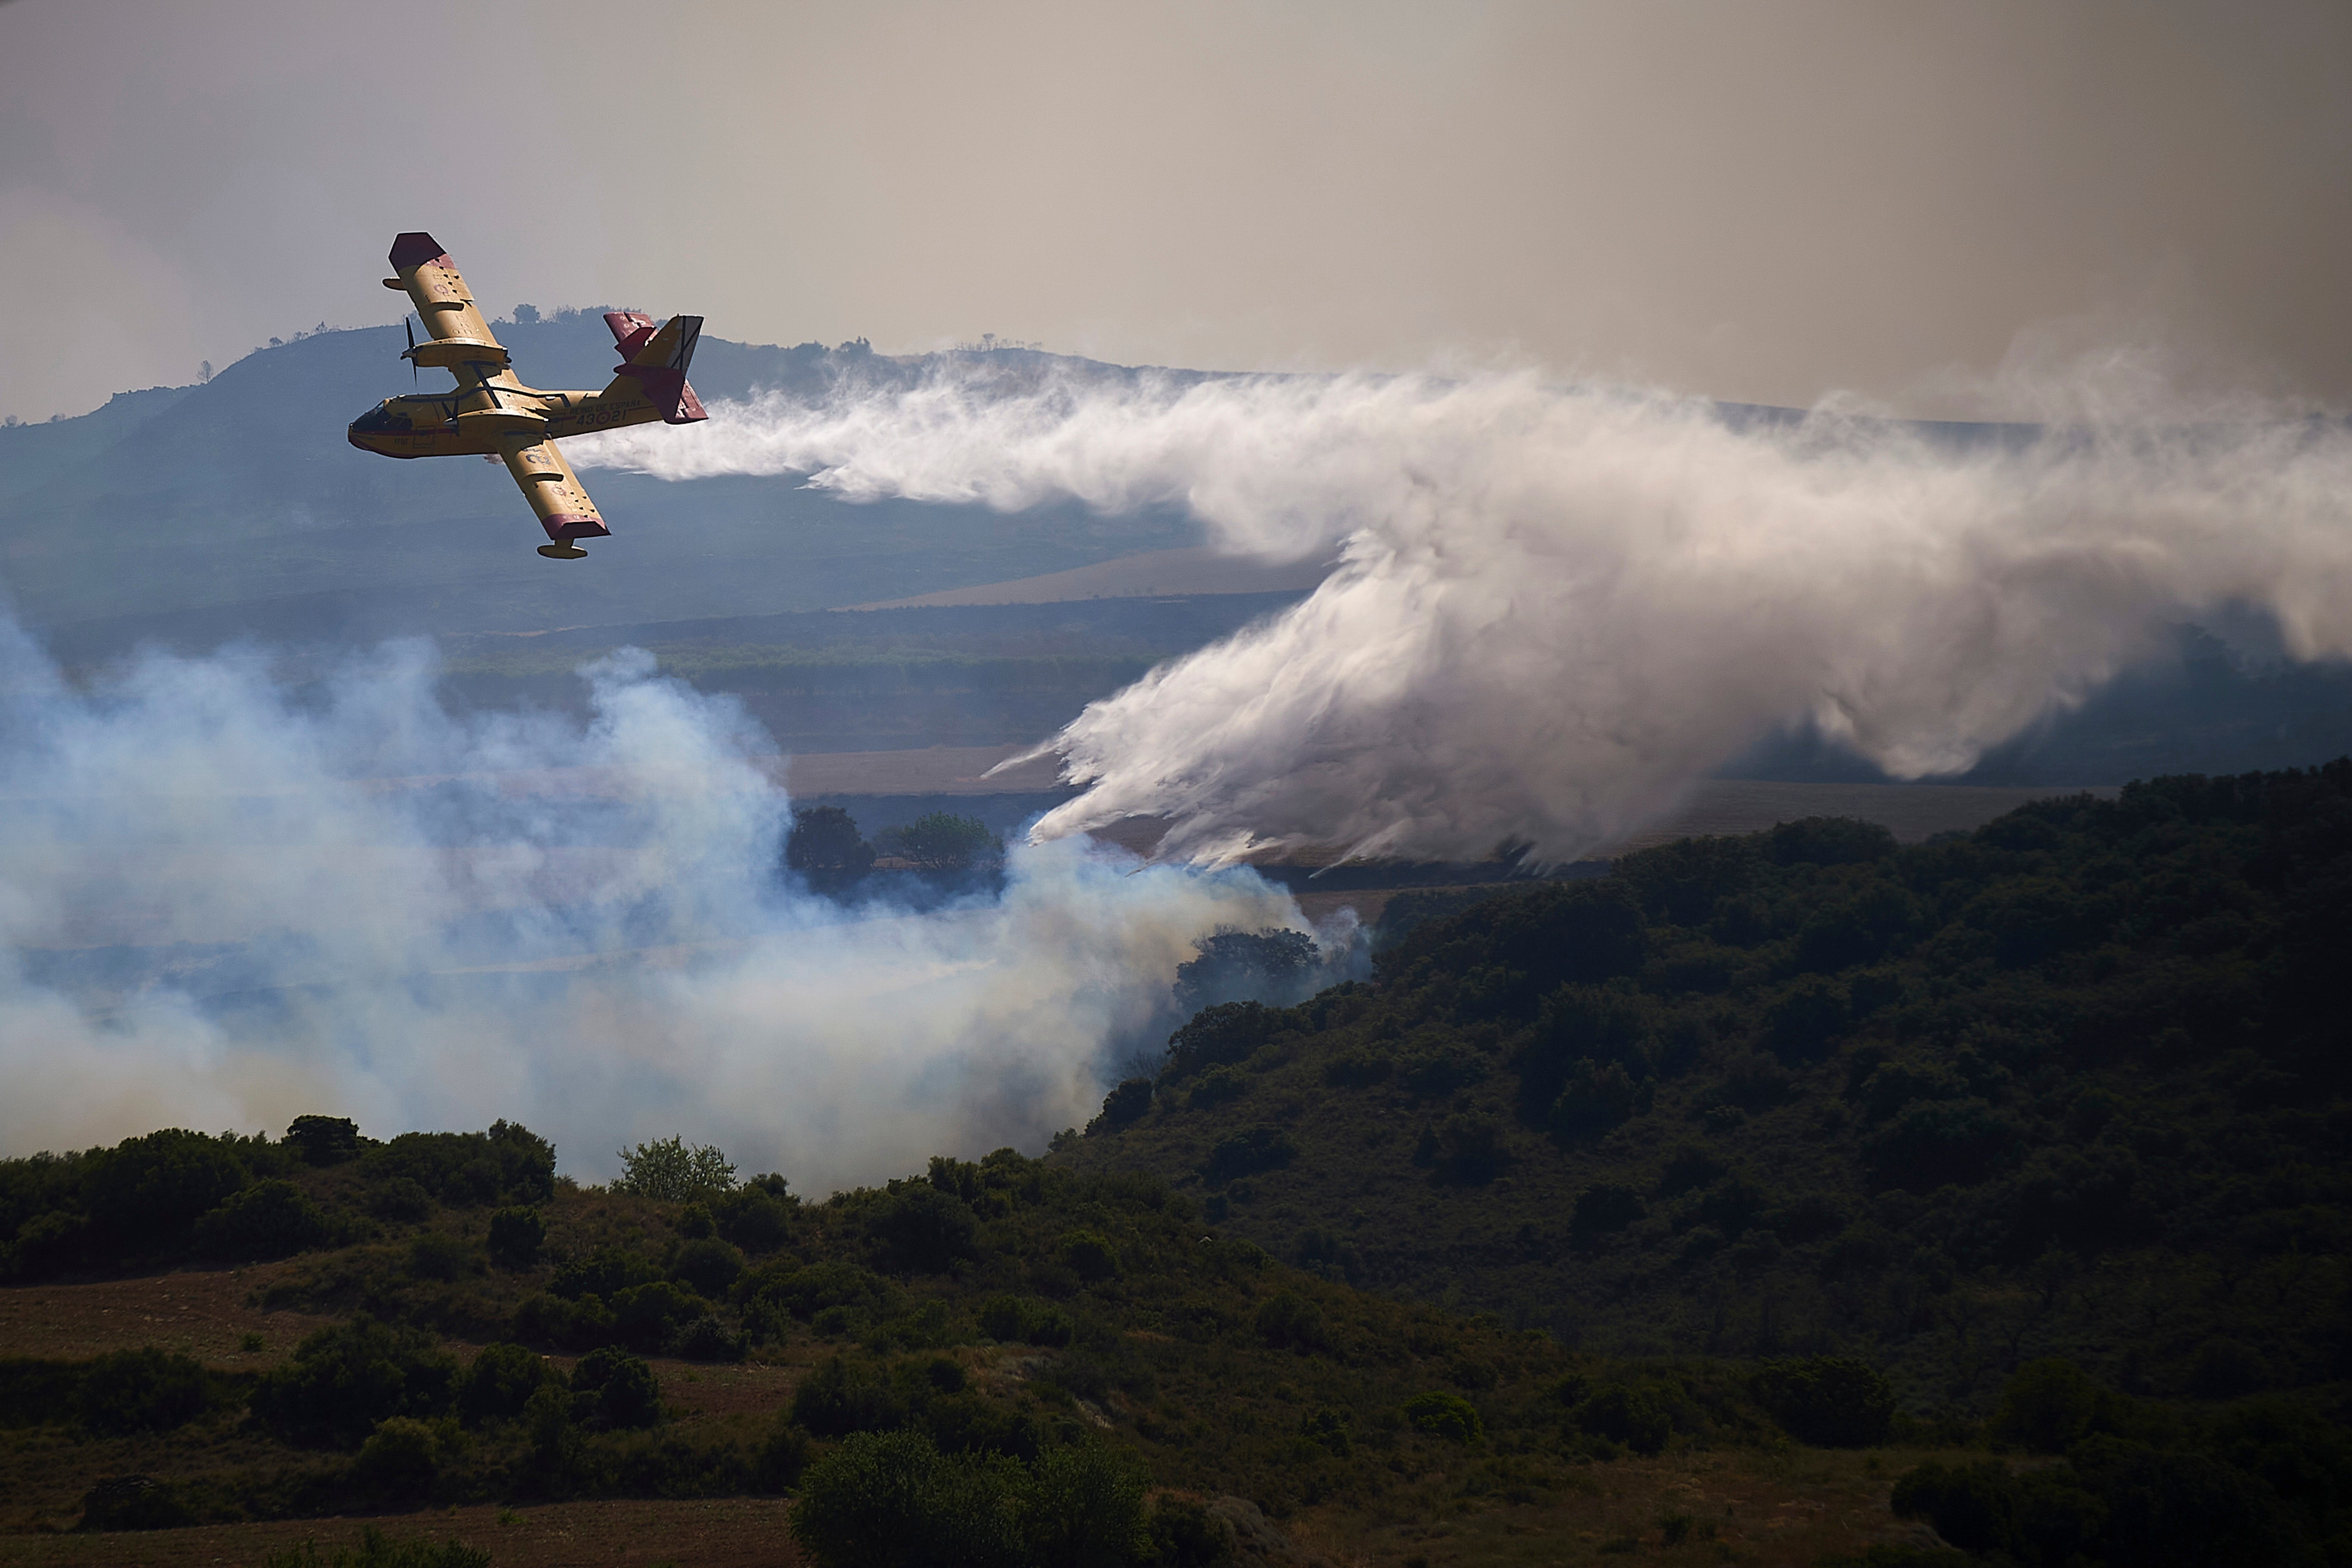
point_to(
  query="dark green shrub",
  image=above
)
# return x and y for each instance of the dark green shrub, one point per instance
(346, 1378)
(842, 1396)
(1447, 1415)
(626, 1391)
(1830, 1402)
(893, 1500)
(325, 1140)
(804, 1293)
(1606, 1207)
(145, 1390)
(1628, 1416)
(709, 1267)
(1470, 1149)
(606, 1272)
(1219, 1086)
(1945, 1143)
(377, 1549)
(1240, 962)
(668, 1171)
(500, 1382)
(706, 1339)
(753, 1218)
(1248, 1151)
(438, 1255)
(825, 848)
(517, 1233)
(1435, 1075)
(1595, 1097)
(1799, 1027)
(645, 1316)
(922, 1230)
(1089, 1254)
(1229, 1032)
(2049, 1405)
(2182, 1511)
(783, 1457)
(398, 1198)
(1358, 1068)
(576, 1325)
(1328, 1429)
(1082, 1507)
(1969, 1505)
(972, 1422)
(1014, 1319)
(133, 1502)
(1287, 1320)
(1187, 1535)
(269, 1219)
(400, 1456)
(509, 1164)
(941, 844)
(1126, 1104)
(145, 1191)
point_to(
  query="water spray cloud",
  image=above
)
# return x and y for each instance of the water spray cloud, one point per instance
(1555, 609)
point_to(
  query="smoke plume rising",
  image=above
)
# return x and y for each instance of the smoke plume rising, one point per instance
(1557, 608)
(226, 901)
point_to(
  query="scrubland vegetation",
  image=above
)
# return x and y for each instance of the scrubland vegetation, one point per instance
(1788, 1199)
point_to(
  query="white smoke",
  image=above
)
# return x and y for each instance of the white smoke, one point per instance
(223, 903)
(1556, 609)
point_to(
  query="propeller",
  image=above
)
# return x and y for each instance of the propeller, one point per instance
(411, 356)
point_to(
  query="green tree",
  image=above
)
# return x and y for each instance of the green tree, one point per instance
(516, 1236)
(668, 1171)
(141, 1390)
(1830, 1402)
(892, 1499)
(826, 849)
(626, 1392)
(943, 844)
(346, 1378)
(1083, 1507)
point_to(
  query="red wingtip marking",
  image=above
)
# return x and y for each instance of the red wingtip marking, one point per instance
(574, 525)
(414, 250)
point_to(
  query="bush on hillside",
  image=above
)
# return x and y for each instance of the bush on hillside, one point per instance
(273, 1218)
(507, 1164)
(622, 1391)
(1830, 1402)
(669, 1172)
(516, 1235)
(346, 1378)
(145, 1390)
(500, 1382)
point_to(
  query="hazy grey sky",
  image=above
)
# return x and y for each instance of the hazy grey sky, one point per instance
(1753, 201)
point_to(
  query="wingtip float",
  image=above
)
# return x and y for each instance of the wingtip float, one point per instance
(490, 413)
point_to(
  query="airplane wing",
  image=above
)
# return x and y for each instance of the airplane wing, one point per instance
(553, 490)
(460, 336)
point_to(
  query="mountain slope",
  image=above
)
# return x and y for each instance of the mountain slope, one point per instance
(2073, 1084)
(236, 507)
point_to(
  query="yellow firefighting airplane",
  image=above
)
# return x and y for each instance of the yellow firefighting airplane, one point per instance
(491, 414)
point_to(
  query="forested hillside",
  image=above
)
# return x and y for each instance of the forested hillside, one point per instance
(2072, 1085)
(1793, 1199)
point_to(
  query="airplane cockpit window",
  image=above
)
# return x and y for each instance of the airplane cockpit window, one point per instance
(380, 417)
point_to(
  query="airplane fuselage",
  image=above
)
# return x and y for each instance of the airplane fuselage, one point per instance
(460, 424)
